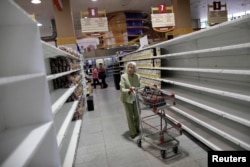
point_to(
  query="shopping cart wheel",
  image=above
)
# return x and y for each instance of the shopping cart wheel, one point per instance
(163, 153)
(139, 142)
(175, 149)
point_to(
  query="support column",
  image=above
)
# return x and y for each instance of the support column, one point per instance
(183, 22)
(64, 24)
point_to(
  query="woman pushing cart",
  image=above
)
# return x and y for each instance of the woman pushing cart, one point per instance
(156, 126)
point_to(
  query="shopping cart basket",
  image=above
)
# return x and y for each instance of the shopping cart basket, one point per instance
(155, 128)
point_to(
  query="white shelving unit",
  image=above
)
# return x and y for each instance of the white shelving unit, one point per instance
(27, 133)
(209, 72)
(67, 131)
(35, 122)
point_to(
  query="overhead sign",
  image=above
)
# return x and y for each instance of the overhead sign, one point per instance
(216, 13)
(94, 21)
(95, 24)
(162, 18)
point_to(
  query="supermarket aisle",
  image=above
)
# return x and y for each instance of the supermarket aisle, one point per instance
(105, 142)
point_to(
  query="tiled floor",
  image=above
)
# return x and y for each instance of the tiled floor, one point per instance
(104, 140)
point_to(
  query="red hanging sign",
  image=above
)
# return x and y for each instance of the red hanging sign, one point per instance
(58, 4)
(93, 12)
(162, 8)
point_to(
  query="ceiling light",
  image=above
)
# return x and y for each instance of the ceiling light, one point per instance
(39, 24)
(36, 1)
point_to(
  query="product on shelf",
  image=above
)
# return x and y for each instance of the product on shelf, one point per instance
(150, 82)
(74, 64)
(69, 50)
(76, 95)
(79, 110)
(60, 64)
(72, 97)
(79, 90)
(157, 63)
(74, 78)
(67, 81)
(146, 65)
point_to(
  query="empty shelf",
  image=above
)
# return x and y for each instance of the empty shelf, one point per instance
(51, 51)
(209, 50)
(239, 93)
(73, 142)
(66, 112)
(204, 135)
(225, 27)
(59, 96)
(14, 141)
(232, 132)
(54, 76)
(193, 52)
(233, 111)
(13, 79)
(217, 71)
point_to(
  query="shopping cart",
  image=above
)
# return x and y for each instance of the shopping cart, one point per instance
(155, 127)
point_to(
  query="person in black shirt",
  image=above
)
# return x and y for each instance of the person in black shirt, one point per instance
(102, 75)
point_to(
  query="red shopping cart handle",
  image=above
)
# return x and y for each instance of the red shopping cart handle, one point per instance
(178, 125)
(172, 95)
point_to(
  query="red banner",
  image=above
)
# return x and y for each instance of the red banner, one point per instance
(93, 12)
(58, 4)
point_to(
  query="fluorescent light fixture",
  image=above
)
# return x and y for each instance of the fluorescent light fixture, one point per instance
(36, 1)
(39, 24)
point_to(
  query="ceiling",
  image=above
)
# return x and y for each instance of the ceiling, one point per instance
(44, 11)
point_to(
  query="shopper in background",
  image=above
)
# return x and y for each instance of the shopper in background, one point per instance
(95, 76)
(129, 81)
(102, 75)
